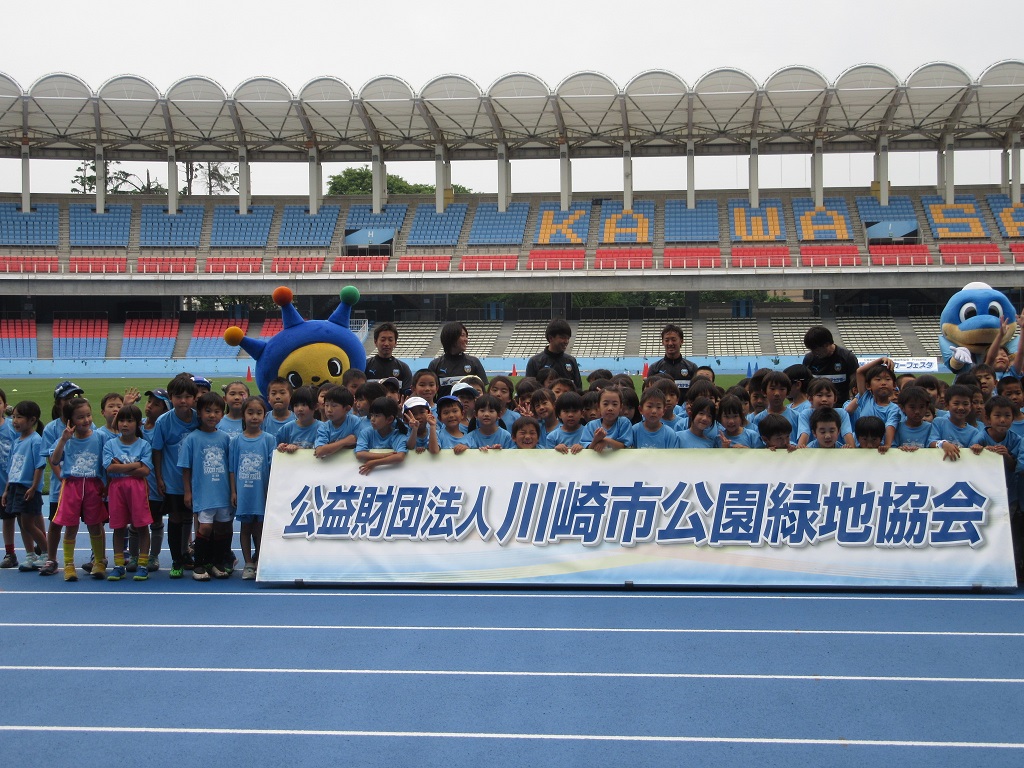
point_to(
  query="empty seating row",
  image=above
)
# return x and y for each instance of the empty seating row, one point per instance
(363, 217)
(40, 226)
(492, 227)
(424, 263)
(619, 225)
(749, 224)
(960, 219)
(1009, 217)
(233, 229)
(208, 337)
(161, 229)
(699, 225)
(300, 229)
(624, 258)
(432, 228)
(107, 229)
(831, 221)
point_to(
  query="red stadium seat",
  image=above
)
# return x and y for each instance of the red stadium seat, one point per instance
(100, 264)
(900, 255)
(624, 258)
(29, 264)
(297, 264)
(486, 262)
(419, 263)
(954, 254)
(692, 258)
(544, 259)
(829, 255)
(234, 264)
(760, 257)
(1017, 251)
(214, 327)
(165, 264)
(360, 264)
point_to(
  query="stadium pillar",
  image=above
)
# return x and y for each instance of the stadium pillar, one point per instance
(691, 189)
(817, 174)
(1015, 170)
(314, 182)
(101, 180)
(243, 183)
(947, 170)
(504, 178)
(627, 176)
(755, 197)
(172, 182)
(565, 176)
(379, 176)
(882, 171)
(442, 177)
(26, 197)
(1004, 171)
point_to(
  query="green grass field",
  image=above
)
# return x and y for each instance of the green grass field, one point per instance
(41, 390)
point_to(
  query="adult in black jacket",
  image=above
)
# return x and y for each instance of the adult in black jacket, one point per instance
(828, 360)
(673, 363)
(554, 355)
(384, 364)
(454, 363)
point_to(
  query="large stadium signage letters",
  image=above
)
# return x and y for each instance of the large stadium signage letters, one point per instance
(738, 517)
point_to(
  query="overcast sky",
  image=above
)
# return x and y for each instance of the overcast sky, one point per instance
(416, 41)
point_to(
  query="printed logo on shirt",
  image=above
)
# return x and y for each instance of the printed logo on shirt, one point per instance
(213, 462)
(85, 465)
(250, 469)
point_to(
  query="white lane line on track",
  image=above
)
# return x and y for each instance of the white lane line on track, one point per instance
(514, 673)
(317, 592)
(610, 630)
(92, 729)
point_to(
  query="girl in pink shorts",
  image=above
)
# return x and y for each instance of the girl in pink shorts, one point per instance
(77, 454)
(128, 459)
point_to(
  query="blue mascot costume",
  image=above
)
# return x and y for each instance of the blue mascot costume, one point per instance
(306, 353)
(971, 320)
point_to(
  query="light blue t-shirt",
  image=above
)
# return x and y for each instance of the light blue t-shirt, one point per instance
(370, 439)
(751, 438)
(622, 431)
(7, 438)
(273, 426)
(303, 437)
(447, 441)
(328, 433)
(140, 451)
(168, 435)
(206, 454)
(965, 436)
(921, 436)
(664, 437)
(689, 440)
(27, 455)
(249, 461)
(559, 436)
(476, 439)
(83, 456)
(231, 426)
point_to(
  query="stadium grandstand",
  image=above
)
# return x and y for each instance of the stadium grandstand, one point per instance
(103, 276)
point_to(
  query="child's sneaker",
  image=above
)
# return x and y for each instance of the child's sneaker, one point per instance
(99, 569)
(154, 564)
(49, 568)
(176, 571)
(131, 565)
(217, 571)
(10, 561)
(32, 563)
(70, 574)
(141, 574)
(249, 572)
(116, 573)
(199, 573)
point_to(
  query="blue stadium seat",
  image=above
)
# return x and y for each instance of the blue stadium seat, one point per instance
(617, 226)
(832, 222)
(490, 227)
(363, 217)
(1009, 218)
(962, 219)
(233, 230)
(159, 229)
(39, 227)
(109, 229)
(558, 227)
(432, 228)
(765, 223)
(699, 225)
(300, 229)
(900, 208)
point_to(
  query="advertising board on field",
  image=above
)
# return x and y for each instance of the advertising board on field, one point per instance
(811, 518)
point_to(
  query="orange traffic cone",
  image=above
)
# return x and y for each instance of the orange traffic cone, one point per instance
(248, 373)
(514, 370)
(646, 368)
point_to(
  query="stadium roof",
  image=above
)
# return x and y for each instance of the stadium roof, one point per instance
(656, 112)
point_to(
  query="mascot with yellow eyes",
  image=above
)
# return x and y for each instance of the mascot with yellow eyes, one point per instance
(305, 352)
(972, 318)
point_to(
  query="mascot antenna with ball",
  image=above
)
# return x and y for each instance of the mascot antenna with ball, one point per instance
(305, 352)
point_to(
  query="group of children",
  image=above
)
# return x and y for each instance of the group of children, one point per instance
(199, 459)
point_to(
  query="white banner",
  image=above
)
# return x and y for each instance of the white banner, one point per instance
(650, 517)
